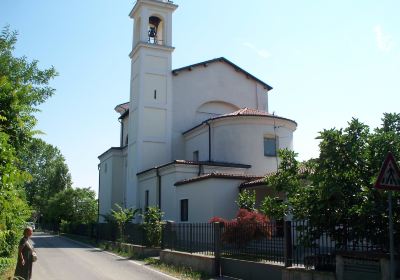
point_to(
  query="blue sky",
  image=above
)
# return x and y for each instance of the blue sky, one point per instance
(328, 61)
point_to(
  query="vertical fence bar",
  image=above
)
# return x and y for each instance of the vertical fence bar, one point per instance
(288, 243)
(217, 247)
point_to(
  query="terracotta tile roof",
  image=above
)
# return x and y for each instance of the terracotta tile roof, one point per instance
(247, 112)
(218, 175)
(212, 163)
(208, 163)
(122, 108)
(257, 182)
(303, 170)
(244, 112)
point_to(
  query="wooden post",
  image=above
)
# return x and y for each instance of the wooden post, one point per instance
(288, 252)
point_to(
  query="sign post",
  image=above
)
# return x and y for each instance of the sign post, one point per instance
(389, 179)
(392, 270)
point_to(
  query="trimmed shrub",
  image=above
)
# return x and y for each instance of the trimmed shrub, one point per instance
(247, 226)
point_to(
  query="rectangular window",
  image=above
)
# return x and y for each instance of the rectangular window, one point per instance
(196, 156)
(270, 146)
(184, 210)
(146, 200)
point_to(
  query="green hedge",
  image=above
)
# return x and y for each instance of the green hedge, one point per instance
(7, 266)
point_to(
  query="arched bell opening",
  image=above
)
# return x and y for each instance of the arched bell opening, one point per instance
(155, 30)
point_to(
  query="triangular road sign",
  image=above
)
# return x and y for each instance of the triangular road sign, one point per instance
(389, 176)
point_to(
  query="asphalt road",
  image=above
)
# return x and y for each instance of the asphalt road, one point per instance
(60, 258)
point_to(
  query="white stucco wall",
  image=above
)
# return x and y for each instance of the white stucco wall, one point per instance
(149, 183)
(218, 82)
(105, 187)
(118, 178)
(112, 180)
(169, 176)
(209, 198)
(125, 128)
(170, 198)
(198, 141)
(241, 140)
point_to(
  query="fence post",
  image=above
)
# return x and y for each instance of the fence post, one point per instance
(217, 247)
(288, 248)
(167, 239)
(97, 232)
(190, 238)
(163, 232)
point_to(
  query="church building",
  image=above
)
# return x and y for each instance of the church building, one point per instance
(191, 138)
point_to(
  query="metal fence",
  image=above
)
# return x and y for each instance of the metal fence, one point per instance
(292, 243)
(250, 241)
(132, 233)
(258, 242)
(190, 237)
(309, 249)
(135, 234)
(312, 247)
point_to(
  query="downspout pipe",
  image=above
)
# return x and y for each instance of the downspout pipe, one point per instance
(209, 140)
(159, 187)
(98, 197)
(121, 142)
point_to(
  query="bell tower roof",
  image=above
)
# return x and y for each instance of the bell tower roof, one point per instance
(152, 24)
(155, 3)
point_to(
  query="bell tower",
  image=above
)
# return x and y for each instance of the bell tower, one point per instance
(150, 109)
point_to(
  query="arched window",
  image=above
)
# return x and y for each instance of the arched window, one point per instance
(213, 109)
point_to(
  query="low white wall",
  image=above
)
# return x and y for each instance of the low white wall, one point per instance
(196, 262)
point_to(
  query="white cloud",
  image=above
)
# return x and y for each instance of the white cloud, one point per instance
(263, 53)
(383, 40)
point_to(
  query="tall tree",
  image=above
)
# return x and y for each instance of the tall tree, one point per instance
(13, 208)
(49, 173)
(339, 190)
(23, 86)
(74, 206)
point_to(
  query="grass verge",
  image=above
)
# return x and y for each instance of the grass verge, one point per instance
(181, 272)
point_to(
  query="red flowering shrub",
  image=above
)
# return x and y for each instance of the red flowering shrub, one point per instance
(245, 227)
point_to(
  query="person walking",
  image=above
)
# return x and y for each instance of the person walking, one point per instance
(26, 255)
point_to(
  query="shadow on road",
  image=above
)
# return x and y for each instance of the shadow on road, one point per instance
(44, 240)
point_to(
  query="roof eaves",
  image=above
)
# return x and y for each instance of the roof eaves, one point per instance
(223, 59)
(233, 116)
(111, 149)
(123, 115)
(216, 176)
(208, 163)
